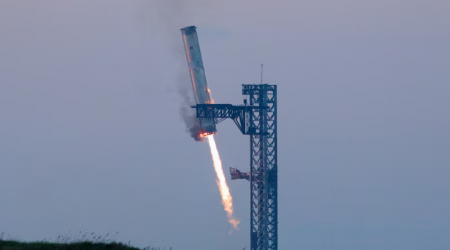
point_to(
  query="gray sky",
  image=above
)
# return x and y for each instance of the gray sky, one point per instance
(91, 137)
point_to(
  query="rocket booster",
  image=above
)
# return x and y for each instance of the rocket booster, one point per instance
(198, 77)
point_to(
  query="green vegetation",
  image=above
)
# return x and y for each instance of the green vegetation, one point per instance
(15, 245)
(82, 241)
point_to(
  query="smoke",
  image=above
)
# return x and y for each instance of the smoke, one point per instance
(168, 18)
(193, 126)
(161, 21)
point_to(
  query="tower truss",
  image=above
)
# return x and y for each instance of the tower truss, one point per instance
(258, 119)
(263, 166)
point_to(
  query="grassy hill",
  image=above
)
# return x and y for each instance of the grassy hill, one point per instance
(15, 245)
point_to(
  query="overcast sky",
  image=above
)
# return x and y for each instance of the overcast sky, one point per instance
(91, 136)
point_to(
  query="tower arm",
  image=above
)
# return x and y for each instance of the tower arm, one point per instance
(220, 112)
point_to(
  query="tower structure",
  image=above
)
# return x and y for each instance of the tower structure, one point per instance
(258, 119)
(263, 166)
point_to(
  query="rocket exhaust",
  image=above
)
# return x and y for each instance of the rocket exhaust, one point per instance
(207, 125)
(227, 200)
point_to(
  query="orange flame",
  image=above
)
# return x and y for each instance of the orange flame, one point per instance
(201, 135)
(227, 200)
(211, 100)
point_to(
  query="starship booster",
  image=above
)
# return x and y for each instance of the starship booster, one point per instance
(198, 77)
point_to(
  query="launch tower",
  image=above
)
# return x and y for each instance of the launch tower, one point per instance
(258, 119)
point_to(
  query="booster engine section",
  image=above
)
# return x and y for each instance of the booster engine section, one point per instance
(198, 77)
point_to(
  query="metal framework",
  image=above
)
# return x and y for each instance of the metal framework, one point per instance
(257, 118)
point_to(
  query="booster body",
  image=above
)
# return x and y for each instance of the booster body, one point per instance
(198, 78)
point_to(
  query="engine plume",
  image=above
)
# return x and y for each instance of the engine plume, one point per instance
(227, 200)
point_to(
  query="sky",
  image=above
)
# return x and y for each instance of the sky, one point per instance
(91, 137)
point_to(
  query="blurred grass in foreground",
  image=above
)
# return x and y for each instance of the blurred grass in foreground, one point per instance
(81, 241)
(15, 245)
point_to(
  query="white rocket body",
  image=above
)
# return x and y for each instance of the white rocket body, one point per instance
(197, 72)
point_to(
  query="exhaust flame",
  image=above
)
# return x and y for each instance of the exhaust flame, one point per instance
(227, 200)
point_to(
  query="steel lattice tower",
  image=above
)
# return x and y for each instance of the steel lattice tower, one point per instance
(263, 166)
(257, 118)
